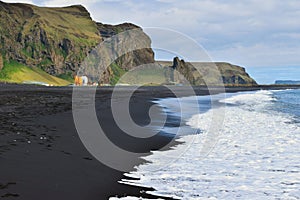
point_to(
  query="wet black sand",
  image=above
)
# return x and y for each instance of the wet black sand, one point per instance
(42, 157)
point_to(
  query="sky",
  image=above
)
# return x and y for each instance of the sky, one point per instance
(252, 33)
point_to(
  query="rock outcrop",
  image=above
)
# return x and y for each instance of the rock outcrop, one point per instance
(206, 73)
(125, 62)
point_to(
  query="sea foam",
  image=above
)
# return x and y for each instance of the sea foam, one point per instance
(257, 156)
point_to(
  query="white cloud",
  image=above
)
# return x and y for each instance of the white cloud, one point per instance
(259, 55)
(57, 3)
(18, 1)
(249, 32)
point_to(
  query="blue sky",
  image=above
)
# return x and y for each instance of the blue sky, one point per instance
(251, 33)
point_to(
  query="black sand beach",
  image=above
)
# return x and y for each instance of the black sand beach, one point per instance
(42, 156)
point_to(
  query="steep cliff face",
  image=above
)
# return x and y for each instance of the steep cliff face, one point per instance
(134, 58)
(54, 39)
(205, 73)
(131, 59)
(234, 75)
(58, 39)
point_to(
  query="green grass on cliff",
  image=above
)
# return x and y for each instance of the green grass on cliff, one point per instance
(144, 76)
(67, 76)
(15, 72)
(117, 73)
(71, 22)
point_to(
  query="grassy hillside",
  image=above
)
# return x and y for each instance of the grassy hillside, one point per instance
(57, 40)
(17, 73)
(150, 75)
(71, 22)
(53, 39)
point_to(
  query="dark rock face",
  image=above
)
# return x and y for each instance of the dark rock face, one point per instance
(1, 62)
(205, 73)
(131, 59)
(59, 39)
(107, 30)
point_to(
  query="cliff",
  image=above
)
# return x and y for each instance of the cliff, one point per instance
(131, 59)
(205, 73)
(1, 62)
(287, 82)
(57, 40)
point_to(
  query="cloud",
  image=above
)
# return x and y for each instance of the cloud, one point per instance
(259, 55)
(57, 3)
(248, 32)
(19, 1)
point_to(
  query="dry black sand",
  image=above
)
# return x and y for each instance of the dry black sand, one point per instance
(42, 157)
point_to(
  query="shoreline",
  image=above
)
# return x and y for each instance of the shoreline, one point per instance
(238, 153)
(58, 166)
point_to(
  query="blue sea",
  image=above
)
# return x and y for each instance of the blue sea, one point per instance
(248, 147)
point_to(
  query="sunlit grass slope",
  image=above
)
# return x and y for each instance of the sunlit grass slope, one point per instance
(15, 72)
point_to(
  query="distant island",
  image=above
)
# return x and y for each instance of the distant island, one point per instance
(42, 44)
(287, 82)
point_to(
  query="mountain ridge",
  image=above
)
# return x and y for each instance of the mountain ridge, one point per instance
(58, 39)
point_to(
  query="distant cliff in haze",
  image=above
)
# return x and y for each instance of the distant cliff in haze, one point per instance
(287, 82)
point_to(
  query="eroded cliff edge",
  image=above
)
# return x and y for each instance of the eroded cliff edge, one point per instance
(205, 73)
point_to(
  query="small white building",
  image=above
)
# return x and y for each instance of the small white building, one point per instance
(85, 80)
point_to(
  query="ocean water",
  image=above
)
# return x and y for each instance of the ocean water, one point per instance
(255, 155)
